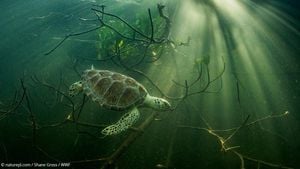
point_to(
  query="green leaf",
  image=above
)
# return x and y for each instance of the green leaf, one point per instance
(121, 43)
(154, 53)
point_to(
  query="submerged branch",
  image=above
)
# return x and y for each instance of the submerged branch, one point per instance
(70, 35)
(255, 121)
(226, 148)
(14, 105)
(122, 20)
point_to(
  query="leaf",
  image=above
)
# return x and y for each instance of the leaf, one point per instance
(69, 116)
(121, 43)
(154, 53)
(173, 45)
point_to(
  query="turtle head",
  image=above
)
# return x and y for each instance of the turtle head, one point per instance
(163, 104)
(157, 103)
(75, 88)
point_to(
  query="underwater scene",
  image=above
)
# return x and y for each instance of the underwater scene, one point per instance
(140, 84)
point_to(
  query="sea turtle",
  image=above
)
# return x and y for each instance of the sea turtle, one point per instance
(119, 92)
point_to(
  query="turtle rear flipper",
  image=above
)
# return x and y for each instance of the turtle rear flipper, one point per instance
(124, 123)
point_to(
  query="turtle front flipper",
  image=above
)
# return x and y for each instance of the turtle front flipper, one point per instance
(75, 88)
(124, 123)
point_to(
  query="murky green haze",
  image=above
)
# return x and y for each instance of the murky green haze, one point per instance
(241, 64)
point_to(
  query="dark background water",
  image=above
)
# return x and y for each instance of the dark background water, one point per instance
(258, 39)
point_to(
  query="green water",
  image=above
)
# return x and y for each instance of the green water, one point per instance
(230, 70)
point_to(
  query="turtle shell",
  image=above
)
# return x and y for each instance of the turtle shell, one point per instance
(112, 90)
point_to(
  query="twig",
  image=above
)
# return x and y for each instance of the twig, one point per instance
(232, 134)
(122, 20)
(14, 105)
(255, 121)
(143, 57)
(226, 148)
(241, 159)
(266, 163)
(36, 80)
(70, 35)
(46, 154)
(151, 23)
(116, 31)
(31, 115)
(199, 75)
(166, 33)
(209, 81)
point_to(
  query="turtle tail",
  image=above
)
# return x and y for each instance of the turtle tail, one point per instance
(123, 124)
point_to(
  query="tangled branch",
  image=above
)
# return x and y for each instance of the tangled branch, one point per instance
(225, 147)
